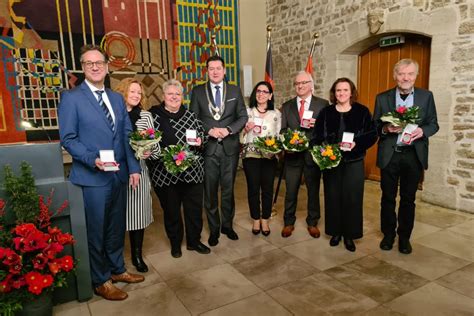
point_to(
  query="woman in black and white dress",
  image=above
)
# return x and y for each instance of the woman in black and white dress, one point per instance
(139, 208)
(184, 189)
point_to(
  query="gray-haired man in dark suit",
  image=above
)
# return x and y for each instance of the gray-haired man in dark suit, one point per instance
(221, 108)
(402, 162)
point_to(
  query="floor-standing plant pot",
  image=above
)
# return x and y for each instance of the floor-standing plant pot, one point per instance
(41, 306)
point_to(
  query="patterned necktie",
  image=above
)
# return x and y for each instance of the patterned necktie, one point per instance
(105, 109)
(217, 100)
(301, 109)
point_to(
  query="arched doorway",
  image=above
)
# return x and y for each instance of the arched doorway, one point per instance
(375, 75)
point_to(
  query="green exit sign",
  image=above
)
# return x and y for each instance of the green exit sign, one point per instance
(391, 40)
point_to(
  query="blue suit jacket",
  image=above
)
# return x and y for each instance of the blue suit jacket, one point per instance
(84, 130)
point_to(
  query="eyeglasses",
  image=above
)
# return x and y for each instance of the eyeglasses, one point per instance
(300, 83)
(98, 64)
(263, 92)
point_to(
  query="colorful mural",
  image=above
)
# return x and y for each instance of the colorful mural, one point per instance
(151, 40)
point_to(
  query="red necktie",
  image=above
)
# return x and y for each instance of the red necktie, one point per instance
(301, 109)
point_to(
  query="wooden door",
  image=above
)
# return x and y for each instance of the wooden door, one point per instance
(376, 75)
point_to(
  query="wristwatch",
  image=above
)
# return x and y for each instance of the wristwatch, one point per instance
(229, 130)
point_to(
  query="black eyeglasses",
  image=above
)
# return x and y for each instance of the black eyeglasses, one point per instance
(263, 92)
(90, 64)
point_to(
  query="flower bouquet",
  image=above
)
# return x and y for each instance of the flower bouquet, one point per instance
(294, 140)
(268, 145)
(145, 140)
(31, 262)
(402, 116)
(326, 156)
(177, 158)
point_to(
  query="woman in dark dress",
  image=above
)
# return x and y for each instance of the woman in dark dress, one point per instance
(344, 185)
(184, 189)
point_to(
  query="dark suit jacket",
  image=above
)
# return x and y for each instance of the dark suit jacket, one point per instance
(84, 130)
(290, 118)
(428, 122)
(235, 116)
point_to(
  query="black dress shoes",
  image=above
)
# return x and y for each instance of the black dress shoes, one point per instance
(213, 240)
(176, 252)
(404, 246)
(231, 234)
(349, 243)
(199, 247)
(387, 243)
(334, 241)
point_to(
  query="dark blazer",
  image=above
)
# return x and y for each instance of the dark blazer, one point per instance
(84, 130)
(428, 122)
(358, 121)
(290, 118)
(235, 116)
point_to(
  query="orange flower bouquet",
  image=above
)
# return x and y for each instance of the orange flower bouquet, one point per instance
(294, 140)
(268, 145)
(326, 156)
(31, 262)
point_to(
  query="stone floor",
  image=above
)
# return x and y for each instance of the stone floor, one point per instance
(259, 275)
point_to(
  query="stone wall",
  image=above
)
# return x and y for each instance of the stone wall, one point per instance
(344, 34)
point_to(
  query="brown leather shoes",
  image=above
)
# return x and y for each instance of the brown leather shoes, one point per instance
(127, 278)
(110, 292)
(287, 230)
(314, 231)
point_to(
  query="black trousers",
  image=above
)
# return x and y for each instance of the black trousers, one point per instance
(343, 199)
(220, 170)
(406, 169)
(312, 176)
(171, 197)
(260, 175)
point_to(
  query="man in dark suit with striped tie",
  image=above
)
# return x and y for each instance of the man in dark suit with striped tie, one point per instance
(91, 119)
(221, 108)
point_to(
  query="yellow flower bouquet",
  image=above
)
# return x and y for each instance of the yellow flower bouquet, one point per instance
(268, 144)
(326, 156)
(294, 140)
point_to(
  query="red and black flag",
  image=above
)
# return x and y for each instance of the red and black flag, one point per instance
(309, 63)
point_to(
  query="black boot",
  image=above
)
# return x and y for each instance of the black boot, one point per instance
(136, 242)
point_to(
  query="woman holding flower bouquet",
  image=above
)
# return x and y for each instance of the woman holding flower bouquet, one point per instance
(260, 144)
(347, 125)
(139, 209)
(177, 174)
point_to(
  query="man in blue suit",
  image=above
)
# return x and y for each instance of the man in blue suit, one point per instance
(402, 163)
(92, 118)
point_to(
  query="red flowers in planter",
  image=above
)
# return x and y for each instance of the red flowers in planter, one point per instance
(30, 249)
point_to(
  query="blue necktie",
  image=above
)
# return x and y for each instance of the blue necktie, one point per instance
(105, 109)
(218, 97)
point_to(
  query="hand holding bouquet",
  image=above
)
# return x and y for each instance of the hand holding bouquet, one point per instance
(402, 116)
(143, 141)
(294, 141)
(177, 158)
(268, 144)
(326, 156)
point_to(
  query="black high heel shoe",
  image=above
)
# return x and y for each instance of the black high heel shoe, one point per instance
(349, 243)
(334, 241)
(256, 231)
(266, 232)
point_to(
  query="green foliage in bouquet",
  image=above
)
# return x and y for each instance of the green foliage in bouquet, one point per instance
(326, 156)
(268, 144)
(402, 116)
(177, 158)
(294, 140)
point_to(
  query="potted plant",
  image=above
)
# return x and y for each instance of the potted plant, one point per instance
(31, 263)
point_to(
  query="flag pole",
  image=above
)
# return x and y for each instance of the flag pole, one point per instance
(268, 63)
(309, 64)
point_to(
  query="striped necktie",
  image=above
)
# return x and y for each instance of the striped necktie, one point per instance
(105, 109)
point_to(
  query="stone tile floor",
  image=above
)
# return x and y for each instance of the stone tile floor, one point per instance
(259, 275)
